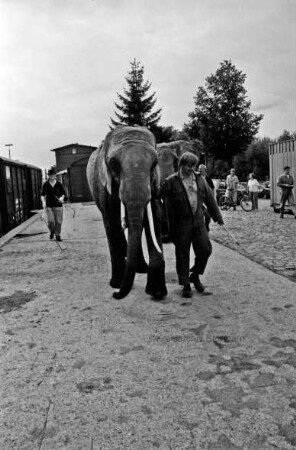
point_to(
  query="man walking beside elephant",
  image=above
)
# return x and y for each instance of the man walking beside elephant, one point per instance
(186, 192)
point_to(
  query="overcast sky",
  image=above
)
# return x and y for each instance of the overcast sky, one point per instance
(63, 61)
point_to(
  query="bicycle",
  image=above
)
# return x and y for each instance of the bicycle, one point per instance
(244, 201)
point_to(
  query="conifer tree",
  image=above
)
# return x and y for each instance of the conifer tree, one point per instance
(136, 106)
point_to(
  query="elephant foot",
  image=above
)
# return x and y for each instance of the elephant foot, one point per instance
(115, 283)
(117, 295)
(156, 286)
(157, 295)
(142, 267)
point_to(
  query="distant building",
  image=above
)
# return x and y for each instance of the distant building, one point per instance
(68, 154)
(71, 162)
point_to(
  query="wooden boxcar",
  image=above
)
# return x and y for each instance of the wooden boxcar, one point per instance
(75, 182)
(281, 154)
(20, 187)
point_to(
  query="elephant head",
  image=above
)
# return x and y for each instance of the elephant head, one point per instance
(123, 175)
(169, 154)
(168, 161)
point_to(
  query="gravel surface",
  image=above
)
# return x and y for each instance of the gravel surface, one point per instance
(263, 237)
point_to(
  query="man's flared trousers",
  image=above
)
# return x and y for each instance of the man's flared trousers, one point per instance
(184, 236)
(55, 219)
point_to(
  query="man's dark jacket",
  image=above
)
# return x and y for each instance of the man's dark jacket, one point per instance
(173, 189)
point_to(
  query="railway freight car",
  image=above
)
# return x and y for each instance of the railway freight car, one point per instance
(20, 187)
(75, 182)
(281, 154)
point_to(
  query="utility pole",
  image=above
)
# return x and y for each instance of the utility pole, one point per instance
(9, 145)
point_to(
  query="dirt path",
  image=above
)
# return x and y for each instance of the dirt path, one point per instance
(81, 371)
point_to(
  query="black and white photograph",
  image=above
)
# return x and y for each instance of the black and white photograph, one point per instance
(147, 225)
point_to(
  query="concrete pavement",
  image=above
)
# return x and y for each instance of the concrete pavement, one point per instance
(81, 371)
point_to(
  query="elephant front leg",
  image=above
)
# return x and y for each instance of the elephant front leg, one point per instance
(142, 266)
(156, 286)
(117, 248)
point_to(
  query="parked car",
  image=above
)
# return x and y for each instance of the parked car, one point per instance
(261, 190)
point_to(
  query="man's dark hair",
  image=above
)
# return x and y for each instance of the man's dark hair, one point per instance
(188, 158)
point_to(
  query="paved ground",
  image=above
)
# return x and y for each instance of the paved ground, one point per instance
(81, 371)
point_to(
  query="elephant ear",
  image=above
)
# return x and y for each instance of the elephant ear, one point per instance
(155, 179)
(104, 172)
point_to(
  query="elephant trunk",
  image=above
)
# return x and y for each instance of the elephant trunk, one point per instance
(135, 228)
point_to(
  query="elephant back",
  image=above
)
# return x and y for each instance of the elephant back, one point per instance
(167, 161)
(179, 147)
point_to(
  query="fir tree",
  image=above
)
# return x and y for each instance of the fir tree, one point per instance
(136, 107)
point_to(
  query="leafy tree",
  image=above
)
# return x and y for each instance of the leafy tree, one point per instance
(257, 155)
(162, 134)
(253, 160)
(136, 107)
(217, 168)
(286, 135)
(168, 134)
(222, 117)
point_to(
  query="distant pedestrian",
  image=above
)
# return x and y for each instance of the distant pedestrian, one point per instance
(286, 183)
(53, 196)
(253, 189)
(231, 187)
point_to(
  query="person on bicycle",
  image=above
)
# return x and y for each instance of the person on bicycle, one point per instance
(186, 192)
(231, 187)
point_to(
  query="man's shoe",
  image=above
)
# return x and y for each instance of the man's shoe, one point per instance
(187, 292)
(204, 293)
(58, 238)
(51, 236)
(197, 284)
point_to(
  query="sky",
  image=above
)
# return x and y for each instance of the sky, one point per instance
(62, 63)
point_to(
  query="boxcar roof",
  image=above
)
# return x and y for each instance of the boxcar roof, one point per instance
(13, 162)
(72, 145)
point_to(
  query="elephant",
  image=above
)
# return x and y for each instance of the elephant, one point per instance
(169, 154)
(124, 178)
